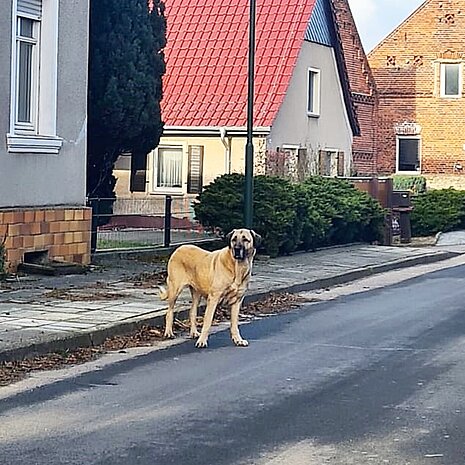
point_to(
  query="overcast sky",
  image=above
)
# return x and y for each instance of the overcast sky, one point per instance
(375, 19)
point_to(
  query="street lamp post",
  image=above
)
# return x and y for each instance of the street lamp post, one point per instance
(248, 193)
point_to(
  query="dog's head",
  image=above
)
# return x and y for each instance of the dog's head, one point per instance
(243, 243)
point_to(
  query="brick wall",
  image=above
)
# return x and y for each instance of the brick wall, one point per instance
(363, 88)
(64, 233)
(406, 66)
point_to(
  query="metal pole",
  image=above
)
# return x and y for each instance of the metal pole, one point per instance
(167, 238)
(248, 192)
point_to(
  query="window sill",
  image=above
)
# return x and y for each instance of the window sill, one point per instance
(33, 144)
(313, 115)
(167, 191)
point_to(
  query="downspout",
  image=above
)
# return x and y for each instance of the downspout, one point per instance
(227, 145)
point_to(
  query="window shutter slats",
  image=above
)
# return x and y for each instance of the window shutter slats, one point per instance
(30, 7)
(340, 164)
(195, 170)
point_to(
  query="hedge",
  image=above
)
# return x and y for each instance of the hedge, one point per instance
(438, 210)
(317, 212)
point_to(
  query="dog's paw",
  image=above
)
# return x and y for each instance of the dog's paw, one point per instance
(168, 334)
(240, 342)
(200, 344)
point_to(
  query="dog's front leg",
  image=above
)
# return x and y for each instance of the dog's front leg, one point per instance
(212, 302)
(235, 334)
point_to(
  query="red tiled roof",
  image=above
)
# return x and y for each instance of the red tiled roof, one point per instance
(207, 57)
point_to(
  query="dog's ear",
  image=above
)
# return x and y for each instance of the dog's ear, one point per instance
(257, 239)
(228, 237)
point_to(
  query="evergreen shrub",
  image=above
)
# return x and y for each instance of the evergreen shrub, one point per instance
(414, 184)
(320, 211)
(438, 210)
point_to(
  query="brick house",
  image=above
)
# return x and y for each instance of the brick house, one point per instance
(419, 70)
(43, 92)
(362, 88)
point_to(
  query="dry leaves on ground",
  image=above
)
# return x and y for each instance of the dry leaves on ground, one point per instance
(75, 295)
(149, 279)
(146, 336)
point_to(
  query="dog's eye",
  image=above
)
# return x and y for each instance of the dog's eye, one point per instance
(244, 239)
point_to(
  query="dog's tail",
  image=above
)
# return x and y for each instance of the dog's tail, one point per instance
(162, 292)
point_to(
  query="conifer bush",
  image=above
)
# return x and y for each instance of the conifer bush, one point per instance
(439, 210)
(317, 212)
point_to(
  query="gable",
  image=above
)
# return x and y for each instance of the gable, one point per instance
(318, 29)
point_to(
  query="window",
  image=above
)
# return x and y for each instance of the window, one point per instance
(331, 163)
(168, 169)
(34, 77)
(313, 95)
(451, 80)
(408, 154)
(27, 70)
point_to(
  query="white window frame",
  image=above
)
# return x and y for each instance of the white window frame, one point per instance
(314, 74)
(28, 126)
(398, 138)
(41, 135)
(169, 190)
(442, 71)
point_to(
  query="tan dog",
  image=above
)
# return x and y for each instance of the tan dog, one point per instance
(218, 276)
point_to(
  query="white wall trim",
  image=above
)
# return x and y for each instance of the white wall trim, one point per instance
(33, 144)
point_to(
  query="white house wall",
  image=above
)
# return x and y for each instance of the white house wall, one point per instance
(331, 130)
(33, 179)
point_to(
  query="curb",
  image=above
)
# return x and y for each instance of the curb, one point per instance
(98, 336)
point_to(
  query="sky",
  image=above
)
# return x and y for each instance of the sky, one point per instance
(375, 19)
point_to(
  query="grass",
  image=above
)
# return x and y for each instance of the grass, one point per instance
(103, 244)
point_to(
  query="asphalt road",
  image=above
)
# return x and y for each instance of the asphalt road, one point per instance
(371, 378)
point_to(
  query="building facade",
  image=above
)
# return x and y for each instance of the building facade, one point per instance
(419, 71)
(43, 89)
(304, 118)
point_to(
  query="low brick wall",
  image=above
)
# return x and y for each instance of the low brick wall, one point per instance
(62, 232)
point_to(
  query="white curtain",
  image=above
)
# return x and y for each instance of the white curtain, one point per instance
(169, 167)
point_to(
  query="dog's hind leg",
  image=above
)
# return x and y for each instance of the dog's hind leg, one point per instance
(212, 302)
(173, 293)
(235, 334)
(193, 313)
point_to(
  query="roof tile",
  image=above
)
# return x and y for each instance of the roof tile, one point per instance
(207, 59)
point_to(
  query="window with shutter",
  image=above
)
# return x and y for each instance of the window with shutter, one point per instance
(34, 77)
(195, 169)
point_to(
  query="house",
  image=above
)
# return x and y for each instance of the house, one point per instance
(304, 117)
(43, 94)
(363, 90)
(419, 70)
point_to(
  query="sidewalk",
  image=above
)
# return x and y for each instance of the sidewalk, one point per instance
(44, 314)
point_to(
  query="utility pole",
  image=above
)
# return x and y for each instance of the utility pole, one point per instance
(249, 155)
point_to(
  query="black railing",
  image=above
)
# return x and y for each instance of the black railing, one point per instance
(143, 222)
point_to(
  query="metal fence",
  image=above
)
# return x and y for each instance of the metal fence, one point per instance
(147, 222)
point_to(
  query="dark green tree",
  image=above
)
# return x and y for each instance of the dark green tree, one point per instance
(126, 65)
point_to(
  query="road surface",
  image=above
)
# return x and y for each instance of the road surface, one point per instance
(368, 378)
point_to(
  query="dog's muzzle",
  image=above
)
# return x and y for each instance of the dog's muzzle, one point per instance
(239, 253)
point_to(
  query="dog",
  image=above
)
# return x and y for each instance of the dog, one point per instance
(219, 276)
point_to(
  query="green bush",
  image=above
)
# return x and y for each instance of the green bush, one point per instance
(320, 211)
(352, 215)
(221, 205)
(414, 184)
(438, 210)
